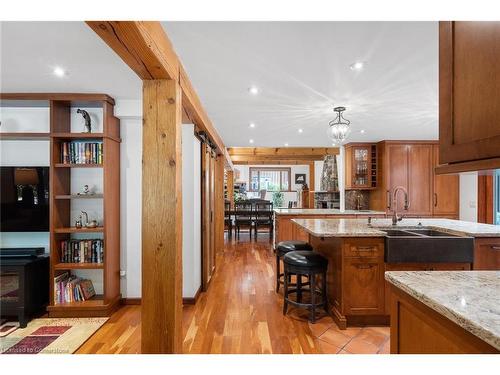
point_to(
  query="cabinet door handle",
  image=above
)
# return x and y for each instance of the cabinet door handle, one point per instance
(364, 266)
(365, 248)
(389, 203)
(495, 247)
(435, 199)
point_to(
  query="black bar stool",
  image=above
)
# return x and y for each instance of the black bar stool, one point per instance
(310, 264)
(281, 249)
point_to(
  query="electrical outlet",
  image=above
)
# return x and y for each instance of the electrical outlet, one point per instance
(472, 204)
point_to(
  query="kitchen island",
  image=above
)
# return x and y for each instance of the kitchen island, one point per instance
(286, 230)
(356, 252)
(445, 312)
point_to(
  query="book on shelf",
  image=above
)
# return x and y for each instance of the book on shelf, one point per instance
(82, 251)
(70, 288)
(78, 152)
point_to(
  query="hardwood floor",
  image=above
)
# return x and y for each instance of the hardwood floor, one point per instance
(241, 313)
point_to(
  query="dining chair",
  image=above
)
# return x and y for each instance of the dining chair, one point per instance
(264, 215)
(228, 221)
(243, 217)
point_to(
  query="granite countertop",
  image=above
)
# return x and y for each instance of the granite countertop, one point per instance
(360, 228)
(324, 211)
(470, 299)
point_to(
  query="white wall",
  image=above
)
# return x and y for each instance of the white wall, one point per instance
(191, 212)
(468, 196)
(318, 171)
(131, 206)
(341, 173)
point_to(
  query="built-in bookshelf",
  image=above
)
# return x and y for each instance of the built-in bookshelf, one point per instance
(99, 155)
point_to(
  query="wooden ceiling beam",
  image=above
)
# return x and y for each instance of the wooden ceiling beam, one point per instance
(283, 151)
(146, 49)
(273, 162)
(142, 45)
(279, 155)
(251, 158)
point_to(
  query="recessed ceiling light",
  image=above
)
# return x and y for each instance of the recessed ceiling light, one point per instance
(358, 65)
(300, 130)
(254, 90)
(252, 125)
(251, 141)
(362, 131)
(59, 72)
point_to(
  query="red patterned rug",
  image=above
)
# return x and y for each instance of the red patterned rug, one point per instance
(50, 336)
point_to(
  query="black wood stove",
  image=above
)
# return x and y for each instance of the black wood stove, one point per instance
(24, 285)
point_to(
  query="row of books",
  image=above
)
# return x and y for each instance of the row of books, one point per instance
(82, 251)
(77, 152)
(70, 288)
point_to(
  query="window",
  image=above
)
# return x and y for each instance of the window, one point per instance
(496, 185)
(270, 179)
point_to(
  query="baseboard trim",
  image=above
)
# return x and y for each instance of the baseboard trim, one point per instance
(192, 301)
(185, 301)
(131, 301)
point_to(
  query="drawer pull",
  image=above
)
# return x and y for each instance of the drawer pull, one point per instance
(365, 248)
(495, 247)
(364, 266)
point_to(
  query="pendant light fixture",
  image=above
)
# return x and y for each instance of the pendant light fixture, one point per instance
(339, 127)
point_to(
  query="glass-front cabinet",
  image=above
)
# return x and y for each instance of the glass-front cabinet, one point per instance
(361, 166)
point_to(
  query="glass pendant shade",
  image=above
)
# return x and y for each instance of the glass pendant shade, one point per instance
(339, 128)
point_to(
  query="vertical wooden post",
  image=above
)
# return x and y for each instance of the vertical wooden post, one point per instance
(311, 176)
(485, 199)
(230, 187)
(161, 218)
(219, 204)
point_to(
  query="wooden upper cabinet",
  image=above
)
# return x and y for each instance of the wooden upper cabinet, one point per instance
(411, 164)
(396, 173)
(446, 192)
(360, 166)
(420, 171)
(469, 96)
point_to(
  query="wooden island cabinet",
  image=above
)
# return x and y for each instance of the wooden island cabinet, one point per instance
(424, 320)
(357, 291)
(486, 254)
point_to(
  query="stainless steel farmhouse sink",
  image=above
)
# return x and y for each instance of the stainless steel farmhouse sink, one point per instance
(424, 245)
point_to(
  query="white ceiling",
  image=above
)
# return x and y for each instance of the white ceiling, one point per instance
(29, 51)
(301, 68)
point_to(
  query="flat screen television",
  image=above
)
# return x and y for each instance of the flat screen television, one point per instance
(24, 198)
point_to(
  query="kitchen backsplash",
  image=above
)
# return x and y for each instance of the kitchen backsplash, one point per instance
(352, 197)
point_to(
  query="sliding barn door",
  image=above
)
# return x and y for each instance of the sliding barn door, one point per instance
(207, 214)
